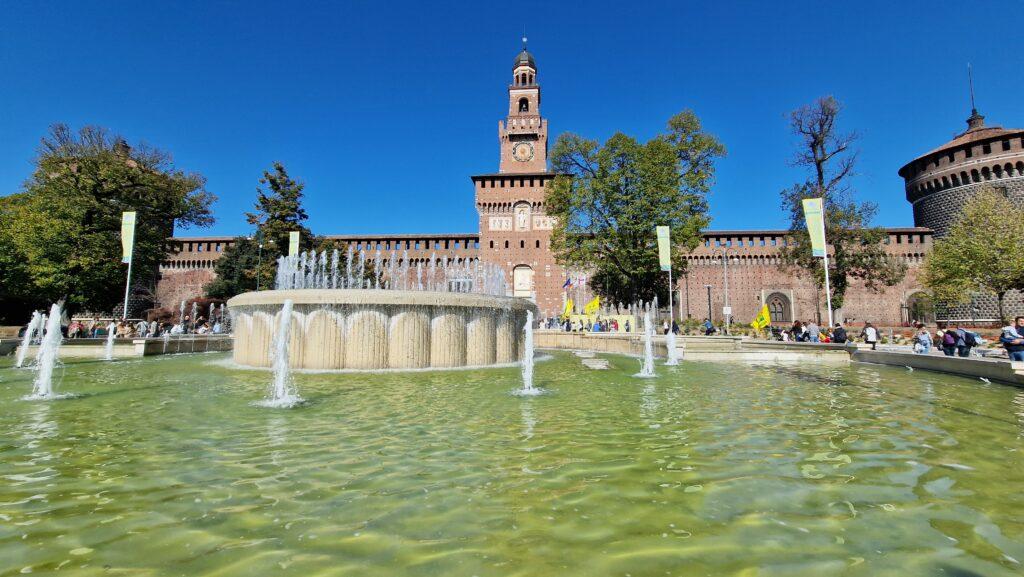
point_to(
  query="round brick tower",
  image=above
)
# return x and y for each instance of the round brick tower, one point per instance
(940, 182)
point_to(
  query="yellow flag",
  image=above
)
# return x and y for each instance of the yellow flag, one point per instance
(762, 319)
(568, 308)
(593, 306)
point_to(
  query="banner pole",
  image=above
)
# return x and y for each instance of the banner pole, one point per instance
(828, 291)
(670, 306)
(127, 285)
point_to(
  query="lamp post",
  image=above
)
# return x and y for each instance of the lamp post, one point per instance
(707, 286)
(725, 273)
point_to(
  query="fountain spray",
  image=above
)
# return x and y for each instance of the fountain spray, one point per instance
(49, 348)
(108, 347)
(647, 367)
(30, 332)
(282, 394)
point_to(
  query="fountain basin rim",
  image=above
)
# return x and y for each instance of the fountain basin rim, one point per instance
(379, 297)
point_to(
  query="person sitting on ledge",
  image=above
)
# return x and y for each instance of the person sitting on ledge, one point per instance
(1012, 338)
(870, 335)
(839, 335)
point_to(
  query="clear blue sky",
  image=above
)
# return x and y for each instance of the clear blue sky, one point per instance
(384, 109)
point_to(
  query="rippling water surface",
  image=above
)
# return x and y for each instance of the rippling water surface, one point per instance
(163, 466)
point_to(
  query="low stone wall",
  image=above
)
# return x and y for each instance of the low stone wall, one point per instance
(620, 343)
(994, 370)
(694, 348)
(127, 348)
(8, 346)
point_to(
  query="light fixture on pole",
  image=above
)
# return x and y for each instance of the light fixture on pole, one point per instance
(726, 309)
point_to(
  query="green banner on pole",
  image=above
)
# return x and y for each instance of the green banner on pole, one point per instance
(127, 236)
(664, 248)
(814, 214)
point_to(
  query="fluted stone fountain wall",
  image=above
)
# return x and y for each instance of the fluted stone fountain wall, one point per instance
(377, 330)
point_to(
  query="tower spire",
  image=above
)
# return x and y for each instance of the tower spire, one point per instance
(970, 82)
(976, 120)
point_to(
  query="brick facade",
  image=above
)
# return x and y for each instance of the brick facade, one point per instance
(756, 275)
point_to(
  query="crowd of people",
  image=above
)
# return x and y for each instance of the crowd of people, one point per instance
(95, 328)
(953, 341)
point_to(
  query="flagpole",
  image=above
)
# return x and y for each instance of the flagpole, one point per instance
(127, 284)
(670, 319)
(828, 291)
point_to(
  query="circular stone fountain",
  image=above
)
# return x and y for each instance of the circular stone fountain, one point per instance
(378, 329)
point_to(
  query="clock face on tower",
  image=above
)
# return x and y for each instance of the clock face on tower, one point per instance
(522, 151)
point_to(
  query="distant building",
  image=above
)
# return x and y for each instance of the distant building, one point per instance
(515, 232)
(940, 182)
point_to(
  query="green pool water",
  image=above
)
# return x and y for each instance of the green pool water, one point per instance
(163, 466)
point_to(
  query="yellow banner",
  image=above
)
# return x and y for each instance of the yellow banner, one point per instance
(293, 243)
(127, 236)
(568, 308)
(664, 248)
(763, 318)
(814, 214)
(593, 306)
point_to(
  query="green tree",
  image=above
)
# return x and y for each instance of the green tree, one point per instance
(278, 211)
(608, 199)
(61, 235)
(981, 253)
(857, 250)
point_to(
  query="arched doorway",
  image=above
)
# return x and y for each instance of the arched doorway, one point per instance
(522, 281)
(921, 308)
(779, 308)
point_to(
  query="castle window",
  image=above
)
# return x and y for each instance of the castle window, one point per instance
(951, 158)
(968, 152)
(986, 148)
(492, 244)
(1006, 145)
(506, 244)
(538, 243)
(524, 105)
(522, 244)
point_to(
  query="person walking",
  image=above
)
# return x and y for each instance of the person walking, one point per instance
(870, 335)
(1012, 339)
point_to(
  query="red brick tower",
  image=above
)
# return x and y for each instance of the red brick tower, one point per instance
(515, 231)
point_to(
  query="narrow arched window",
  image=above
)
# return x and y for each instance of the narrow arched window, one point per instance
(524, 105)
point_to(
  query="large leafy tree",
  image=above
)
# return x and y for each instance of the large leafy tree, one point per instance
(278, 211)
(981, 253)
(60, 236)
(607, 200)
(856, 248)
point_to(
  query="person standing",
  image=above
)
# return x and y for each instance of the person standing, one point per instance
(923, 341)
(965, 341)
(1012, 339)
(870, 335)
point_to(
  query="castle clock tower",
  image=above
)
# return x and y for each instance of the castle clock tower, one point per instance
(515, 231)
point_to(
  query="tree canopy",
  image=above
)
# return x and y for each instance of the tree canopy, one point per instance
(856, 248)
(981, 252)
(60, 236)
(278, 211)
(608, 199)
